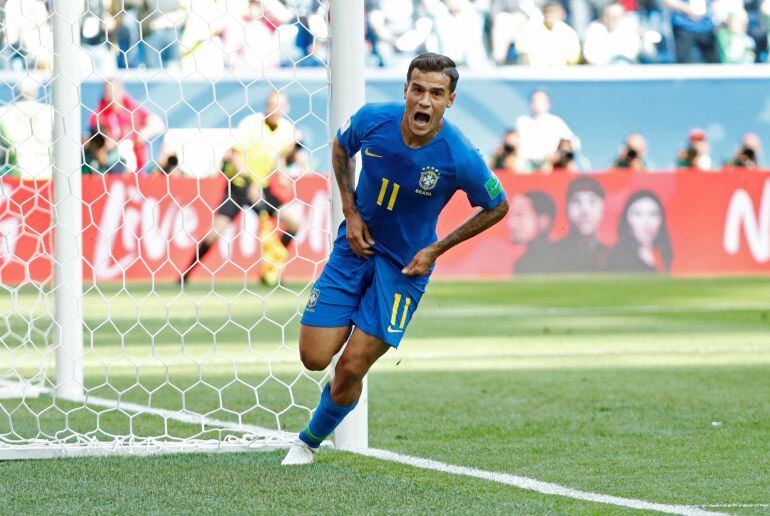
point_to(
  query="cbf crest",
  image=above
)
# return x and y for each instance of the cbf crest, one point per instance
(429, 177)
(312, 300)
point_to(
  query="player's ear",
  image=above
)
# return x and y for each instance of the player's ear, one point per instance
(451, 99)
(406, 87)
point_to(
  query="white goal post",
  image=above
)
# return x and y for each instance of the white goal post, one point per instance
(131, 366)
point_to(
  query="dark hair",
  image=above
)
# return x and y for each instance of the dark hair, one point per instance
(430, 62)
(542, 203)
(552, 5)
(585, 184)
(662, 243)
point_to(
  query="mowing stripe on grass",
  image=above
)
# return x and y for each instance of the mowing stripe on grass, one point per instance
(506, 311)
(531, 484)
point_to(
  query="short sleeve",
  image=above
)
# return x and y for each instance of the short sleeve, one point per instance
(353, 130)
(248, 131)
(480, 184)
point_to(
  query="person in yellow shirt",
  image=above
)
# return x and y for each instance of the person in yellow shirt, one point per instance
(258, 160)
(549, 41)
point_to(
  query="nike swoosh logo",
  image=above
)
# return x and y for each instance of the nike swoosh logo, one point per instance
(370, 153)
(391, 330)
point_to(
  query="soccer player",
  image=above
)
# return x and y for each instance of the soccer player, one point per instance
(263, 142)
(413, 163)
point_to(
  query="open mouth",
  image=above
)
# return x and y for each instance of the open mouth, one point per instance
(421, 119)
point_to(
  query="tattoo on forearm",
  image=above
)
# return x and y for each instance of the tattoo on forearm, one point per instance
(344, 172)
(477, 223)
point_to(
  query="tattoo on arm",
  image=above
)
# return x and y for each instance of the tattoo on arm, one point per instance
(478, 222)
(345, 173)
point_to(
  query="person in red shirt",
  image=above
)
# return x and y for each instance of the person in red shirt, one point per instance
(130, 125)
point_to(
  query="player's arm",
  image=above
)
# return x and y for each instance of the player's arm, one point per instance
(477, 223)
(485, 191)
(358, 235)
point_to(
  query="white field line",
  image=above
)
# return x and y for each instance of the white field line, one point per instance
(531, 484)
(735, 505)
(526, 483)
(506, 311)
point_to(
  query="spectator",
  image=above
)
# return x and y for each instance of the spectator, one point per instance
(761, 31)
(201, 42)
(506, 154)
(161, 19)
(582, 12)
(168, 163)
(747, 155)
(460, 28)
(697, 154)
(735, 44)
(130, 125)
(631, 156)
(27, 127)
(96, 24)
(395, 32)
(540, 133)
(128, 32)
(29, 34)
(549, 42)
(693, 28)
(251, 40)
(612, 39)
(562, 159)
(100, 155)
(508, 18)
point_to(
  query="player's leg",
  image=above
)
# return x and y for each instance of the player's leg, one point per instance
(289, 224)
(318, 345)
(233, 199)
(341, 395)
(221, 221)
(325, 328)
(274, 242)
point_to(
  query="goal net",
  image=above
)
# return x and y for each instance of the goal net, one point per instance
(143, 141)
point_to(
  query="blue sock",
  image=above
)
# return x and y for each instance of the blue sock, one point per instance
(326, 418)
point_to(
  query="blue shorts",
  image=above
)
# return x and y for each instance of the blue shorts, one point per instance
(370, 293)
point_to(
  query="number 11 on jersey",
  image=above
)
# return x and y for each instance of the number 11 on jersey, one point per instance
(383, 191)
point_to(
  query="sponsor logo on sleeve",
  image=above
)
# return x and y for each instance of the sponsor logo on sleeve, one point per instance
(493, 186)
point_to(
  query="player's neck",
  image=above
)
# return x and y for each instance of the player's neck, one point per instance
(414, 141)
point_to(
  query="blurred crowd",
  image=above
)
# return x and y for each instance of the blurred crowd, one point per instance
(211, 36)
(121, 134)
(541, 142)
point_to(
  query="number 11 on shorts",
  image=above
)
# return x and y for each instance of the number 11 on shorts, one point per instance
(394, 314)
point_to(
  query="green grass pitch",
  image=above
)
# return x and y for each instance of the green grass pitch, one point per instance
(608, 385)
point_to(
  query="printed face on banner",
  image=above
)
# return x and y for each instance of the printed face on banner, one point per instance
(584, 211)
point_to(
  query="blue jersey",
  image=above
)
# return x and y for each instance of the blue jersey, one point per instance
(402, 190)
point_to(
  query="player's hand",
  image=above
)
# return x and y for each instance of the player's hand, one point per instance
(421, 263)
(359, 238)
